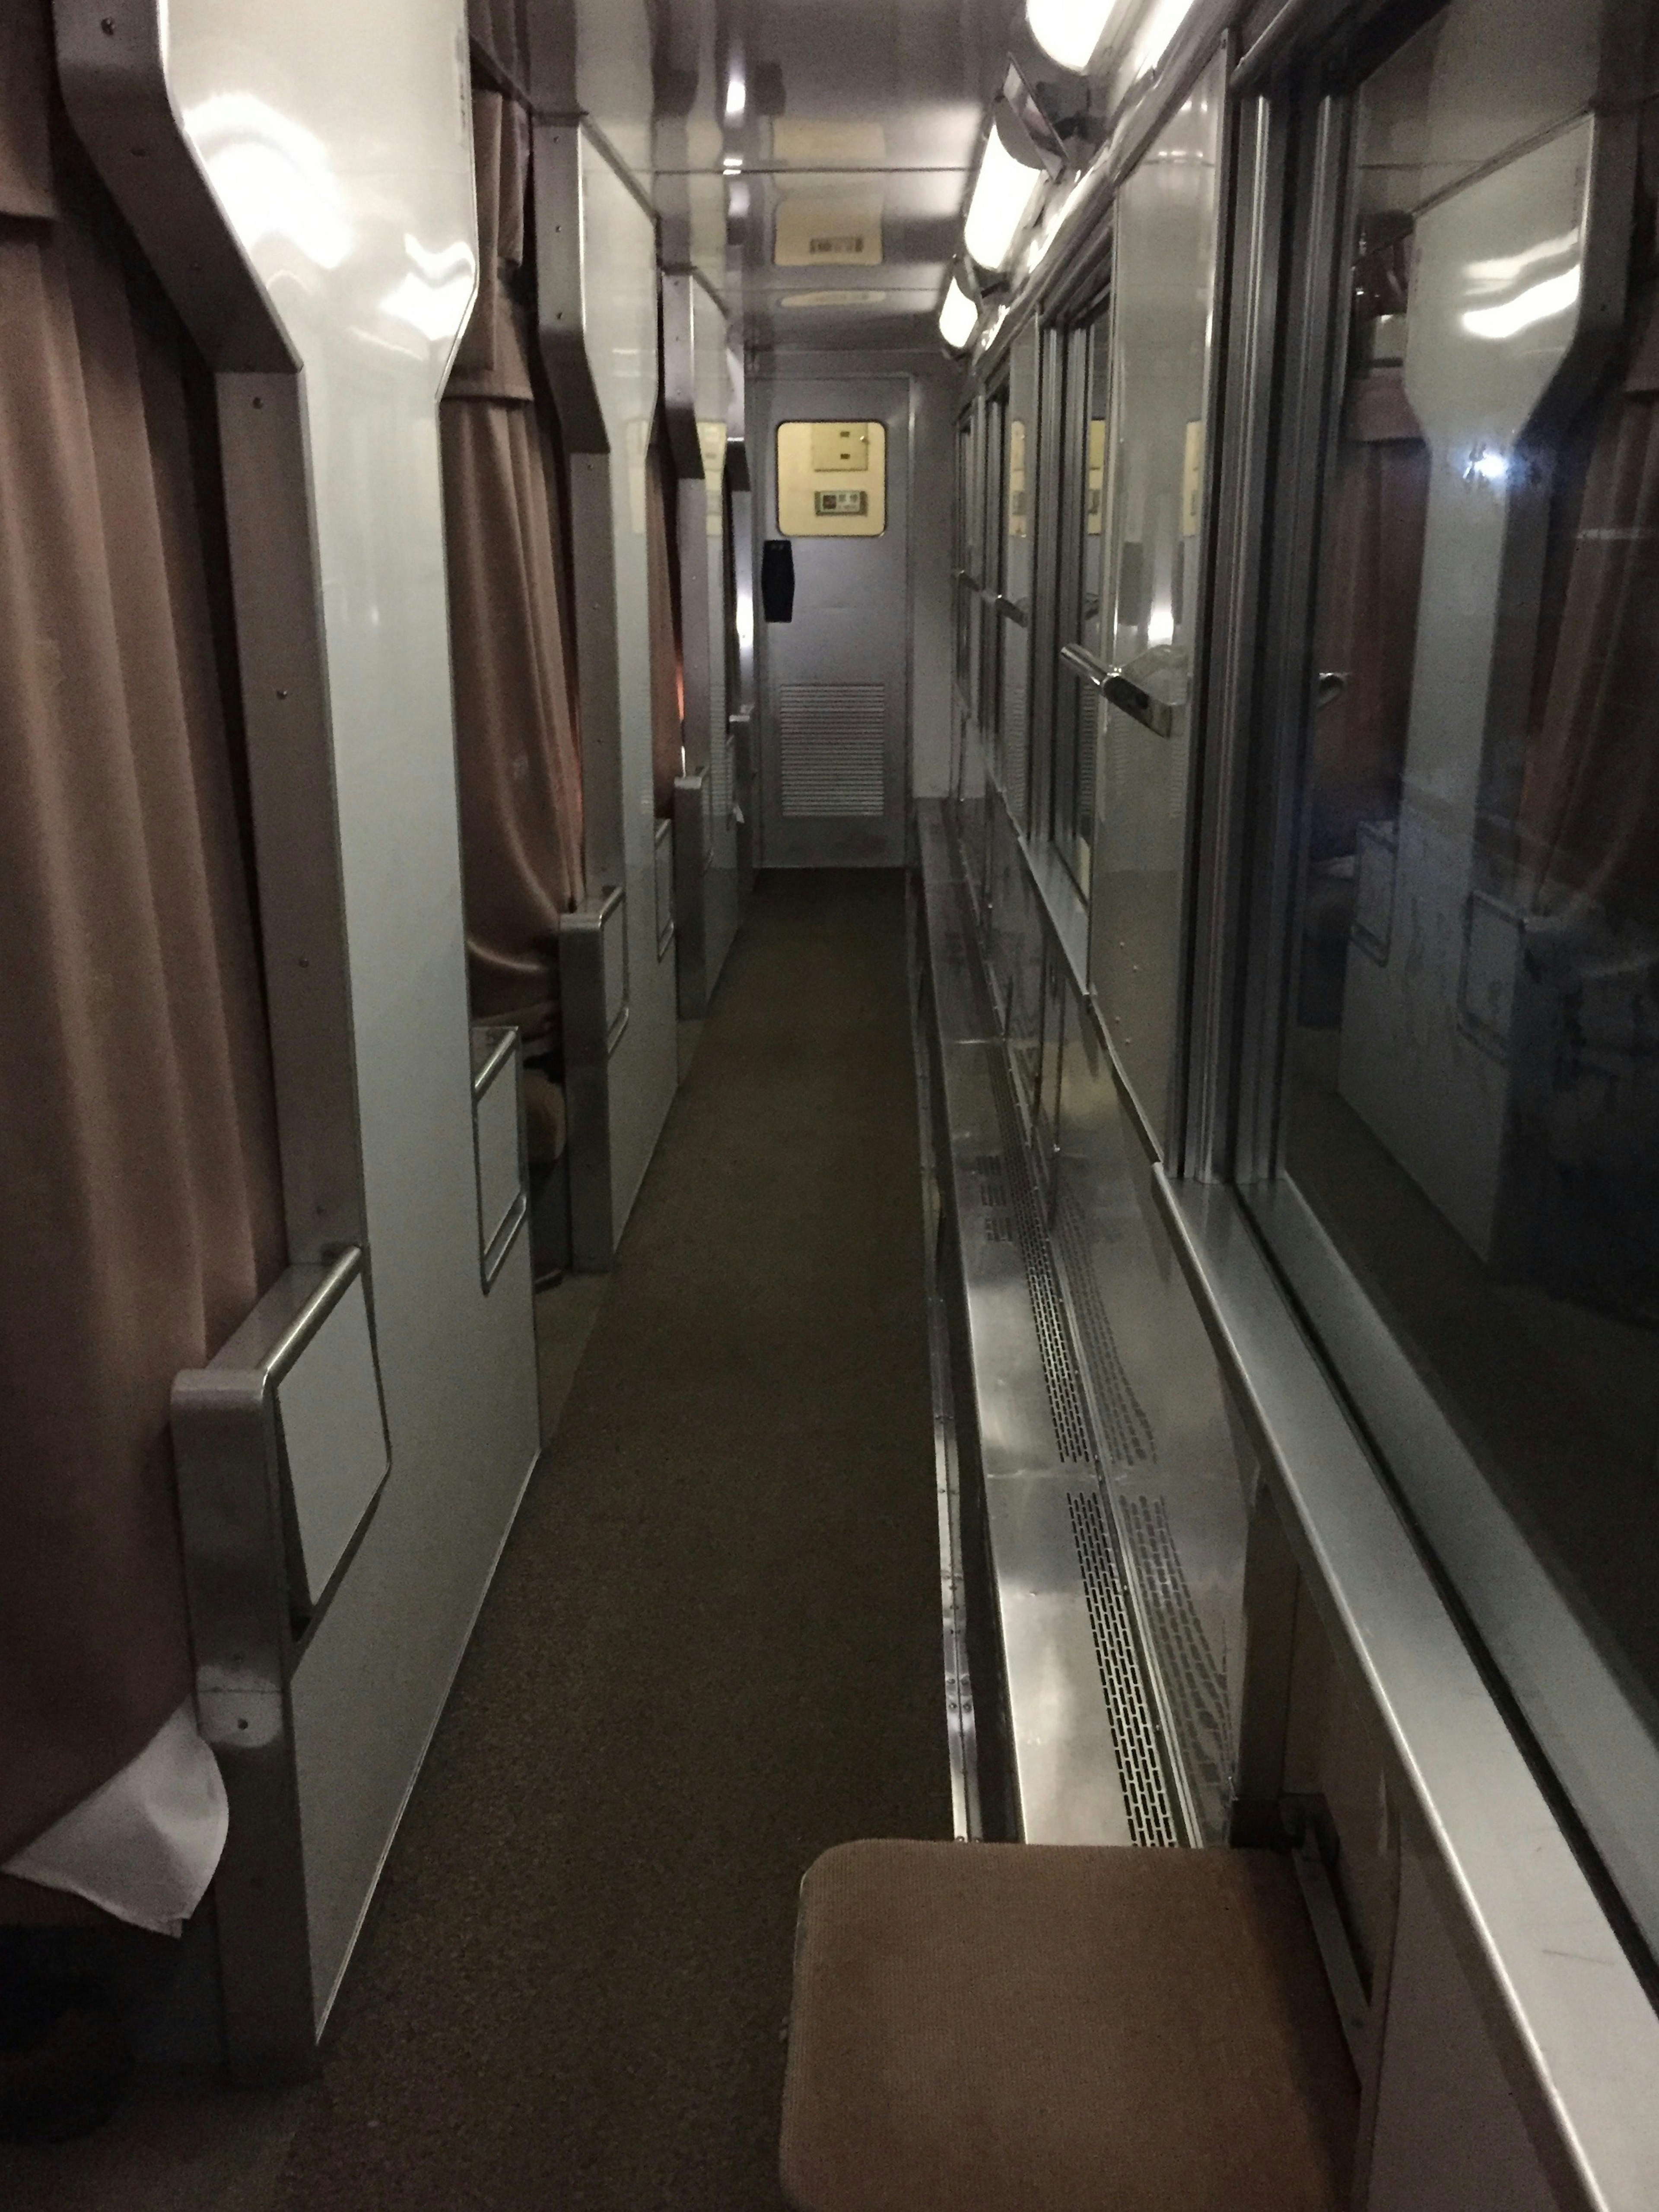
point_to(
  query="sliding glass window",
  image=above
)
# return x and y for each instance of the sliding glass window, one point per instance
(1014, 589)
(1134, 664)
(1465, 1131)
(1086, 368)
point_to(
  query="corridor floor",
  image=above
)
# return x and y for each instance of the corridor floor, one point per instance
(711, 1650)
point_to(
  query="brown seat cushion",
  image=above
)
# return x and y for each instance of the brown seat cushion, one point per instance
(996, 2027)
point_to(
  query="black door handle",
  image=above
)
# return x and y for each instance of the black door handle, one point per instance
(778, 579)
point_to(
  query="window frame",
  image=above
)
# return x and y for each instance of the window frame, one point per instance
(1289, 260)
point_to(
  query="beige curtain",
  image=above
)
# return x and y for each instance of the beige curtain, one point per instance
(667, 700)
(516, 745)
(1590, 806)
(140, 1211)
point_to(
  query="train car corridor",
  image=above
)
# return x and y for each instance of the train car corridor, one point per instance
(710, 1651)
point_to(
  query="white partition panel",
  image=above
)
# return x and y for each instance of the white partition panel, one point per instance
(354, 220)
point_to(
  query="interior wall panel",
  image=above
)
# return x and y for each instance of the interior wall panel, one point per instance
(357, 222)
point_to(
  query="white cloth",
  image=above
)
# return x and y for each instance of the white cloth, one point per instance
(145, 1844)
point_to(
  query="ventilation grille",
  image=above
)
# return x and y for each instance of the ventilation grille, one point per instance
(1128, 1437)
(833, 739)
(1146, 1792)
(1072, 1440)
(1192, 1680)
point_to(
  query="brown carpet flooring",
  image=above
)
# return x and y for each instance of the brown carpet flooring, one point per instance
(712, 1649)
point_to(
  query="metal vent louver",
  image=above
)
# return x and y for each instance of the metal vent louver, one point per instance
(1072, 1439)
(1146, 1796)
(833, 740)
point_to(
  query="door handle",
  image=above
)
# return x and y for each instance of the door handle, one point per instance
(1121, 690)
(1011, 610)
(1331, 684)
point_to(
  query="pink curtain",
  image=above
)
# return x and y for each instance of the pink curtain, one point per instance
(140, 1213)
(516, 742)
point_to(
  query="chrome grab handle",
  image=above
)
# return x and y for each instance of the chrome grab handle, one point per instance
(1081, 662)
(1012, 610)
(1121, 690)
(1331, 684)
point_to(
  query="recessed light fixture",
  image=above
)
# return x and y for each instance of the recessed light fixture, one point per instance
(1069, 30)
(1005, 192)
(842, 299)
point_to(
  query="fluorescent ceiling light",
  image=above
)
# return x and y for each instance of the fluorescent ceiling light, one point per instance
(957, 319)
(1005, 192)
(1536, 305)
(1068, 31)
(1166, 18)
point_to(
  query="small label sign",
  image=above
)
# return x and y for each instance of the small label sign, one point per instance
(841, 502)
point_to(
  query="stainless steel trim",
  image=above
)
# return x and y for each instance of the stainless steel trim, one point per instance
(1082, 662)
(693, 851)
(1579, 2036)
(1311, 372)
(498, 1062)
(1276, 42)
(961, 1734)
(506, 1236)
(556, 181)
(485, 1073)
(1246, 404)
(1119, 690)
(592, 1031)
(236, 1524)
(663, 836)
(1078, 1756)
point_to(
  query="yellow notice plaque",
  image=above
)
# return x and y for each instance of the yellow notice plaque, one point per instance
(828, 230)
(832, 479)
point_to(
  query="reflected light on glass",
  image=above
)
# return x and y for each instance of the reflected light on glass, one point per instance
(1505, 268)
(1487, 462)
(1068, 31)
(737, 95)
(1554, 296)
(1161, 25)
(273, 178)
(1160, 623)
(957, 319)
(1005, 192)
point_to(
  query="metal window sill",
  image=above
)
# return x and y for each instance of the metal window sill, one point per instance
(1578, 2017)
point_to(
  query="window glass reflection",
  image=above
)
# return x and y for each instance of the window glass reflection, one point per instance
(1472, 1092)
